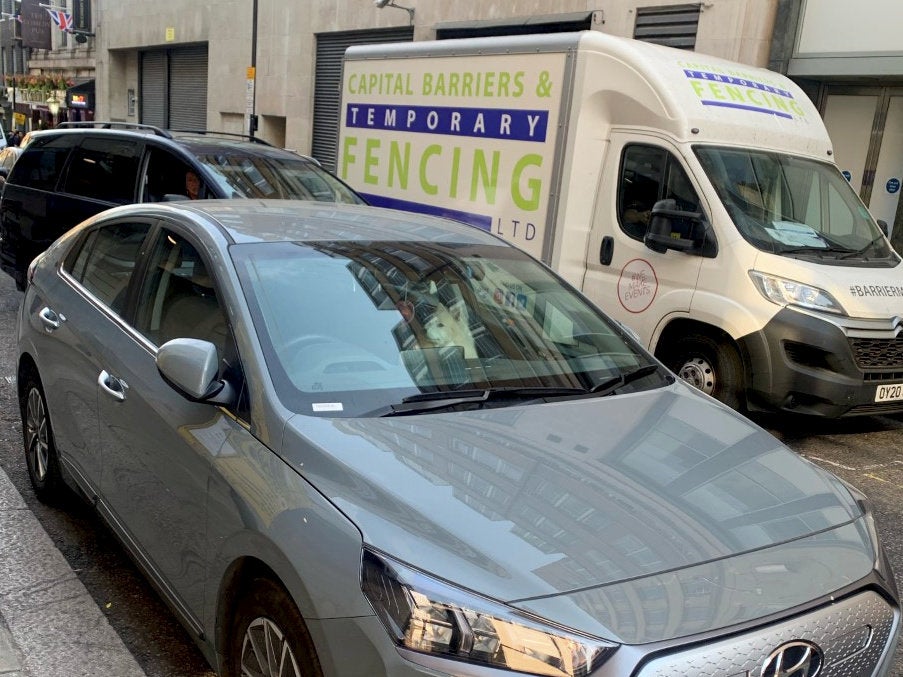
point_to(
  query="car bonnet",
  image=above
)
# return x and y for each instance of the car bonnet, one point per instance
(574, 509)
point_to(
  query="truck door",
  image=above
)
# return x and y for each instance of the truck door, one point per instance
(633, 283)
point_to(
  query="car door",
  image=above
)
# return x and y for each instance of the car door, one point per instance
(79, 316)
(631, 282)
(157, 446)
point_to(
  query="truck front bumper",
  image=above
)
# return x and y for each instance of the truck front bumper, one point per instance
(809, 364)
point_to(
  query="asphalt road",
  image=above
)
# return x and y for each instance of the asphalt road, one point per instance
(865, 452)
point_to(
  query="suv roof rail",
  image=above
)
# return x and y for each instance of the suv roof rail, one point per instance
(247, 137)
(98, 124)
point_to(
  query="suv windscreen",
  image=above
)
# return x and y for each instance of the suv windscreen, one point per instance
(793, 206)
(286, 178)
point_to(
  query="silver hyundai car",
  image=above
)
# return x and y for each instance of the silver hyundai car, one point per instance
(348, 441)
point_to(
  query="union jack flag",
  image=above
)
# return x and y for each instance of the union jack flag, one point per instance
(62, 19)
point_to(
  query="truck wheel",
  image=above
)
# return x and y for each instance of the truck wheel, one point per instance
(712, 366)
(269, 637)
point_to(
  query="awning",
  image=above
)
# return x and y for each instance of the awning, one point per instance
(81, 95)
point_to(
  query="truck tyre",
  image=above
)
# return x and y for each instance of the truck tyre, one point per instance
(711, 365)
(269, 637)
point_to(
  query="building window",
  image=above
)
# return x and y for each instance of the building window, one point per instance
(674, 25)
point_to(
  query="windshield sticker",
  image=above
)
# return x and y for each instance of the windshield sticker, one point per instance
(796, 234)
(637, 285)
(327, 406)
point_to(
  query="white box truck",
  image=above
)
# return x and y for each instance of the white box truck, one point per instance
(693, 198)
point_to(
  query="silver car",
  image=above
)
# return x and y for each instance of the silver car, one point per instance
(348, 441)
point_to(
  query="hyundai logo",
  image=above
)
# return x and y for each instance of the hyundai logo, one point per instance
(793, 659)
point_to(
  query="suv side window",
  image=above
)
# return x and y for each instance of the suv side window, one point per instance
(105, 261)
(41, 163)
(104, 169)
(165, 177)
(650, 174)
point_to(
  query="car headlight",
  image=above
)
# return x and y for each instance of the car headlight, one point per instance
(786, 292)
(426, 615)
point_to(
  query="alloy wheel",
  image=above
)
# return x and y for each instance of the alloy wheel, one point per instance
(37, 442)
(265, 651)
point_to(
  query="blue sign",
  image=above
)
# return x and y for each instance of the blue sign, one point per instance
(847, 175)
(892, 185)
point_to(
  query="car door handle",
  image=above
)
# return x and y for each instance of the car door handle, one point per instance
(112, 386)
(50, 319)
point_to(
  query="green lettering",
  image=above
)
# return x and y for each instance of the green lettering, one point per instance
(371, 159)
(399, 163)
(697, 87)
(455, 167)
(482, 174)
(348, 158)
(534, 185)
(427, 84)
(467, 84)
(431, 150)
(504, 80)
(716, 92)
(454, 80)
(518, 84)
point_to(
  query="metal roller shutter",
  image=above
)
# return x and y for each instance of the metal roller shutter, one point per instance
(328, 85)
(152, 103)
(188, 88)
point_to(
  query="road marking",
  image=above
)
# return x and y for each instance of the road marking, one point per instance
(9, 379)
(839, 465)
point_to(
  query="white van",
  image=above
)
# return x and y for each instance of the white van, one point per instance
(694, 199)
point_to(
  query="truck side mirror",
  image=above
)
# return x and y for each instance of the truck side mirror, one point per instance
(671, 228)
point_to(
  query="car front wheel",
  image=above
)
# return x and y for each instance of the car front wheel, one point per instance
(269, 638)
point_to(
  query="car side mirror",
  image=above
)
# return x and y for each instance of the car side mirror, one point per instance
(671, 228)
(191, 366)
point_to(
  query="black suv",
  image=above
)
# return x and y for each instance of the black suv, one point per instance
(79, 169)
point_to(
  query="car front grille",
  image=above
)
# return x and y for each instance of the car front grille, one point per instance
(878, 353)
(852, 633)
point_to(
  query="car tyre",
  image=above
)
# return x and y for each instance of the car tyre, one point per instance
(269, 637)
(711, 365)
(40, 451)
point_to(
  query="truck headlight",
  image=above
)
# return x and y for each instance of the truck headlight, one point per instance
(786, 292)
(429, 616)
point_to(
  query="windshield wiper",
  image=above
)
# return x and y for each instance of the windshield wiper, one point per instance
(611, 385)
(445, 399)
(860, 252)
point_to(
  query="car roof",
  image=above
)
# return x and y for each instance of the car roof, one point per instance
(195, 142)
(252, 220)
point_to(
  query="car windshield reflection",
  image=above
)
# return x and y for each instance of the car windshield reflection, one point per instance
(356, 328)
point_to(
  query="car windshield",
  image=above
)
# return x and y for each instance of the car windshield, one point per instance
(363, 328)
(285, 178)
(793, 206)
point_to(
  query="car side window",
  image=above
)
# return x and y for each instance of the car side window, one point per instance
(41, 163)
(649, 174)
(104, 169)
(177, 297)
(166, 178)
(106, 259)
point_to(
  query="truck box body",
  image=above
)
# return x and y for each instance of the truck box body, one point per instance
(761, 278)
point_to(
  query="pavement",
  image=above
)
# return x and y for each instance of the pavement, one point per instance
(49, 624)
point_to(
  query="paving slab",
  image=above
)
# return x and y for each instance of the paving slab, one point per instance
(49, 624)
